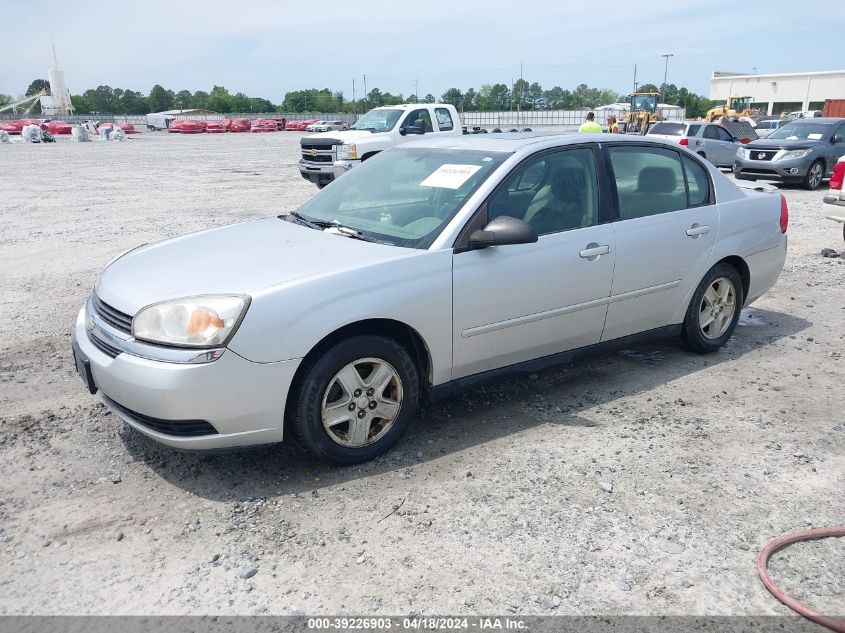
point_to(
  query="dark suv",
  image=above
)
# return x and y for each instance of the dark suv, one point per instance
(802, 152)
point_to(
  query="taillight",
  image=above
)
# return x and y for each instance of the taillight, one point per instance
(684, 142)
(784, 214)
(838, 175)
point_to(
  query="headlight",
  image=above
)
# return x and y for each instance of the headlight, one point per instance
(742, 152)
(347, 152)
(204, 321)
(794, 153)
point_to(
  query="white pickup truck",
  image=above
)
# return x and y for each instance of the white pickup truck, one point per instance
(327, 155)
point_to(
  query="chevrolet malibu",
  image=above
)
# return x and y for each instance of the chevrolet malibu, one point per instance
(429, 268)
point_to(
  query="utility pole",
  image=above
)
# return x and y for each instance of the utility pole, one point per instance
(417, 89)
(365, 88)
(519, 97)
(666, 69)
(353, 96)
(635, 78)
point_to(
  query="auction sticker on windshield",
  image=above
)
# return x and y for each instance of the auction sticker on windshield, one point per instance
(450, 176)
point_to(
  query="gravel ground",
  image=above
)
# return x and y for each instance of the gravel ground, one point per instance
(642, 481)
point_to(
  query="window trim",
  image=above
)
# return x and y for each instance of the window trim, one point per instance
(611, 176)
(479, 220)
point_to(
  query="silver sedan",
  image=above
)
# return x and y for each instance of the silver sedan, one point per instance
(429, 268)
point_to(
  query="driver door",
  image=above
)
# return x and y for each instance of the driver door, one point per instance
(520, 302)
(422, 114)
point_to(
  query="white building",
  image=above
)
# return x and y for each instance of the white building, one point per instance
(773, 93)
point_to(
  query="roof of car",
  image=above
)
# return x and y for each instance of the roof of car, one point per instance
(514, 141)
(824, 120)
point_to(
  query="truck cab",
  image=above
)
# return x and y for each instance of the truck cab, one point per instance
(327, 155)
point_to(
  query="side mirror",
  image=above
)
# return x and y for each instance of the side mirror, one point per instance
(503, 231)
(417, 128)
(836, 139)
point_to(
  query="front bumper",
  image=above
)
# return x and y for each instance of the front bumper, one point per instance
(325, 172)
(783, 170)
(243, 401)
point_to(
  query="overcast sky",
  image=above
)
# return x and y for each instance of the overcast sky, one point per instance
(265, 49)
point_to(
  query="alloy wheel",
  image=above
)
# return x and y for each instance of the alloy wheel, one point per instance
(815, 175)
(718, 306)
(361, 403)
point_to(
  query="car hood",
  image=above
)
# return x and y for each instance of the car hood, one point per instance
(241, 258)
(350, 136)
(770, 143)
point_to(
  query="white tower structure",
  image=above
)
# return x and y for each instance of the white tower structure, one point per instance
(58, 101)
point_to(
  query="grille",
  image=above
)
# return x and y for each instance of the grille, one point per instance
(115, 318)
(105, 348)
(319, 158)
(768, 154)
(177, 428)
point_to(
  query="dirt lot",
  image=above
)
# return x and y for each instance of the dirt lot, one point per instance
(642, 481)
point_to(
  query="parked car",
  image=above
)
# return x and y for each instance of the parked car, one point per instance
(803, 151)
(834, 201)
(310, 127)
(765, 128)
(425, 270)
(327, 155)
(329, 126)
(708, 140)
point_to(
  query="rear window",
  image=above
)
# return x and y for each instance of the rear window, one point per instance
(668, 129)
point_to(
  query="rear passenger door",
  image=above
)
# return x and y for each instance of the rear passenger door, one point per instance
(666, 224)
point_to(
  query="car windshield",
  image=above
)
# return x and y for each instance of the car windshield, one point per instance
(403, 196)
(668, 129)
(378, 120)
(800, 130)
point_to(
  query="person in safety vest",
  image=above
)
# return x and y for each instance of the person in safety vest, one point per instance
(590, 125)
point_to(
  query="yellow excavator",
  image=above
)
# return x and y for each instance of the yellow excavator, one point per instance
(643, 112)
(734, 107)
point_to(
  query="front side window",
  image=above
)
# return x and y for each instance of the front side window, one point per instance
(554, 192)
(404, 196)
(724, 135)
(444, 119)
(711, 132)
(377, 120)
(649, 181)
(422, 115)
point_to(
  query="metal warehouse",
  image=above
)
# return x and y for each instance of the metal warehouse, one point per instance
(777, 93)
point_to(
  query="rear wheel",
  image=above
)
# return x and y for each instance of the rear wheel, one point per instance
(714, 310)
(355, 399)
(814, 176)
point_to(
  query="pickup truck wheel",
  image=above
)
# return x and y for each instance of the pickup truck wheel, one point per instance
(355, 399)
(714, 310)
(814, 176)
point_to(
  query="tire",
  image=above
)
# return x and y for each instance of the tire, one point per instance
(814, 177)
(724, 282)
(325, 386)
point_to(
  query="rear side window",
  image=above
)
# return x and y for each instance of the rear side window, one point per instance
(698, 184)
(693, 130)
(444, 119)
(667, 129)
(649, 181)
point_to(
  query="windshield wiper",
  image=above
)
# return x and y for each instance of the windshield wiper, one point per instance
(305, 220)
(339, 229)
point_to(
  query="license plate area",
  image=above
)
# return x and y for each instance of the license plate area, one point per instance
(83, 368)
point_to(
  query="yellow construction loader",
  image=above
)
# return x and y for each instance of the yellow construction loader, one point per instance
(734, 107)
(643, 112)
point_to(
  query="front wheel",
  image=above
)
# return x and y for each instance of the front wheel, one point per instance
(355, 399)
(814, 176)
(714, 310)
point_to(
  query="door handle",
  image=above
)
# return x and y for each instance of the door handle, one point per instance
(593, 250)
(697, 230)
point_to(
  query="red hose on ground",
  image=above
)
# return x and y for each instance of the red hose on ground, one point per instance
(762, 569)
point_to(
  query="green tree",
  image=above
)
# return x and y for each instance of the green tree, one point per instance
(453, 96)
(470, 100)
(182, 100)
(132, 102)
(648, 88)
(219, 99)
(429, 98)
(161, 99)
(80, 104)
(37, 86)
(199, 100)
(520, 94)
(4, 99)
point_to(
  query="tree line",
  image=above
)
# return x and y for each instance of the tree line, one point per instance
(489, 97)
